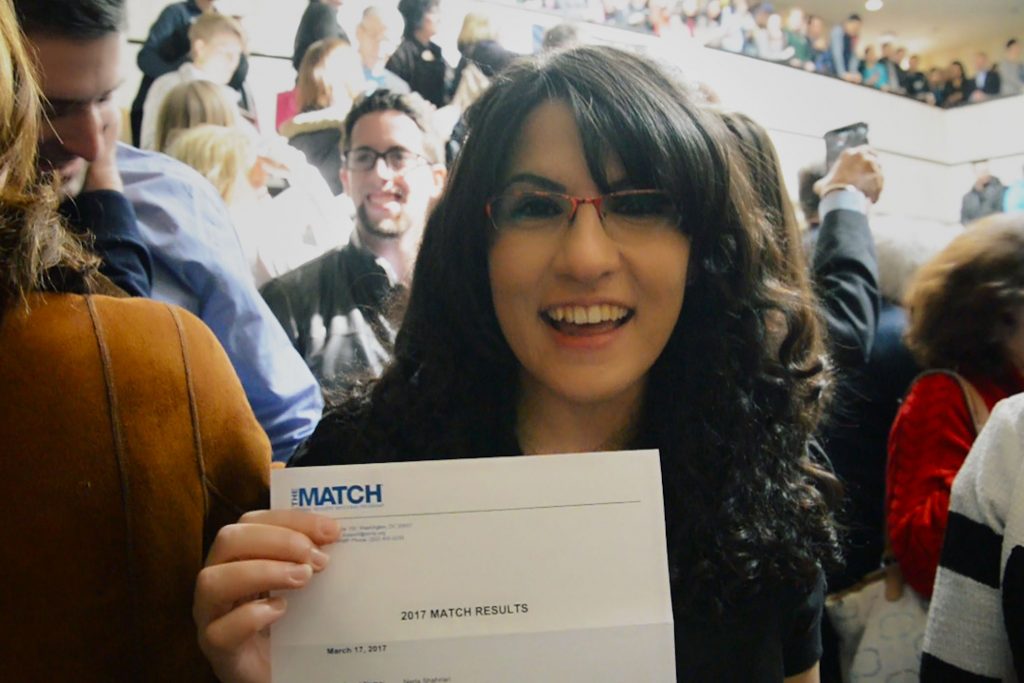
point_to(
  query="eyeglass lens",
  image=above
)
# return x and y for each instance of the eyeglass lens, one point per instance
(534, 211)
(396, 158)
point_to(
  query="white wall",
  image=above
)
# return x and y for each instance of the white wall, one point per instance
(926, 152)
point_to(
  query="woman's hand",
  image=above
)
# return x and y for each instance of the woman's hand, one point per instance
(265, 551)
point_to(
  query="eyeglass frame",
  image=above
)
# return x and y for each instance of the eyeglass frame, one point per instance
(377, 156)
(575, 201)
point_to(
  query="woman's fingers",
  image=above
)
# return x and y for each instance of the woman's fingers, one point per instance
(291, 535)
(221, 588)
(320, 528)
(267, 550)
(231, 632)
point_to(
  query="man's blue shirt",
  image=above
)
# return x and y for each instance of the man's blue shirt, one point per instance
(199, 265)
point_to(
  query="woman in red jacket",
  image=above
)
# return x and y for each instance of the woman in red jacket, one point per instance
(966, 316)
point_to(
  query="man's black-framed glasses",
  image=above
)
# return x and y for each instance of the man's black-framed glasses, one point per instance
(623, 213)
(397, 159)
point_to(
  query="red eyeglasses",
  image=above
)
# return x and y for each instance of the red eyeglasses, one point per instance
(622, 213)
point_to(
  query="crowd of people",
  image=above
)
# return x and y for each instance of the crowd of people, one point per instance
(805, 41)
(989, 195)
(585, 254)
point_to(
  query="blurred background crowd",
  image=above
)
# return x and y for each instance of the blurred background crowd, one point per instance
(790, 35)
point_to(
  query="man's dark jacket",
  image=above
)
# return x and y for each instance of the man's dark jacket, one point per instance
(334, 310)
(424, 69)
(844, 270)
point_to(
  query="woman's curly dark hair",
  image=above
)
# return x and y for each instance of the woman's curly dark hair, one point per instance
(965, 301)
(733, 398)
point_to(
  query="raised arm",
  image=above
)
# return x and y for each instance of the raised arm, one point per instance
(844, 265)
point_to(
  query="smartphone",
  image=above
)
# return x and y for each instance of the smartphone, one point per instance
(837, 140)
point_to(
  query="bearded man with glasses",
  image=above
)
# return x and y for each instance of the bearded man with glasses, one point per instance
(336, 308)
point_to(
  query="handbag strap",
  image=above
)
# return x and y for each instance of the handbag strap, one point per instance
(976, 406)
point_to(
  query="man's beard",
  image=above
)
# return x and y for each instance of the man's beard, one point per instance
(387, 229)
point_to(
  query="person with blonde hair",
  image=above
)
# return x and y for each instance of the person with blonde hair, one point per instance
(127, 440)
(330, 79)
(218, 42)
(478, 44)
(966, 315)
(34, 245)
(192, 104)
(278, 233)
(223, 156)
(482, 59)
(167, 47)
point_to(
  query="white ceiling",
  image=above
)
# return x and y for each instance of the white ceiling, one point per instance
(930, 26)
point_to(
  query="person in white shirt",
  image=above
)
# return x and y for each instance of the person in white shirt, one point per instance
(974, 620)
(218, 42)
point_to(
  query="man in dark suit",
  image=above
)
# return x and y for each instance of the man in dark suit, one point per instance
(987, 82)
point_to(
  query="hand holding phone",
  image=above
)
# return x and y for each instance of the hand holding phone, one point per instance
(853, 135)
(857, 167)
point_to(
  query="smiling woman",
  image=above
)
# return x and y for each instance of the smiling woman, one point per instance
(556, 264)
(595, 278)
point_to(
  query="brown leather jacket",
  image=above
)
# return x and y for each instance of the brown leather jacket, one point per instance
(126, 443)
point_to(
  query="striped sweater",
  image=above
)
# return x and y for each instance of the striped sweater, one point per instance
(976, 619)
